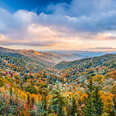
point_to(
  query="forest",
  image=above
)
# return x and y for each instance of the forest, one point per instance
(85, 87)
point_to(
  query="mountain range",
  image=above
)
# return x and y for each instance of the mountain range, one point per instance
(29, 77)
(51, 57)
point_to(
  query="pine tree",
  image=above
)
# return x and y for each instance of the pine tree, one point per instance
(74, 111)
(94, 104)
(98, 102)
(57, 102)
(43, 104)
(89, 109)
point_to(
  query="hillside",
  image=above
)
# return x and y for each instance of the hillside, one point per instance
(100, 65)
(108, 60)
(30, 85)
(45, 58)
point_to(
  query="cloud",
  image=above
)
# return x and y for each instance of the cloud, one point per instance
(104, 49)
(74, 24)
(90, 16)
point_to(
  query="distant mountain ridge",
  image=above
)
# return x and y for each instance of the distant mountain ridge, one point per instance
(108, 59)
(51, 58)
(45, 58)
(55, 63)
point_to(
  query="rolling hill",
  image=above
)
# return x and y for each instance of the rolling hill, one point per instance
(32, 83)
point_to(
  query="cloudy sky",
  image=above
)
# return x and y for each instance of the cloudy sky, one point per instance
(58, 24)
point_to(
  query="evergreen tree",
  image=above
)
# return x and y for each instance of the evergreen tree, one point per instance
(43, 104)
(74, 111)
(57, 102)
(89, 109)
(94, 104)
(98, 102)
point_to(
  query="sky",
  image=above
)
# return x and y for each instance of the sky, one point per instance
(87, 25)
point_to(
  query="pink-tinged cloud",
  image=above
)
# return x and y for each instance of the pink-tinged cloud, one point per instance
(64, 29)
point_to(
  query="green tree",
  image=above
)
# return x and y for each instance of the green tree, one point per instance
(94, 104)
(74, 111)
(31, 89)
(57, 102)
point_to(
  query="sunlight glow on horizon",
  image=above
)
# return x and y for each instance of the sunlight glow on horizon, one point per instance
(62, 28)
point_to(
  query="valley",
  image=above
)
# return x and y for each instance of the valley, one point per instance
(36, 83)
